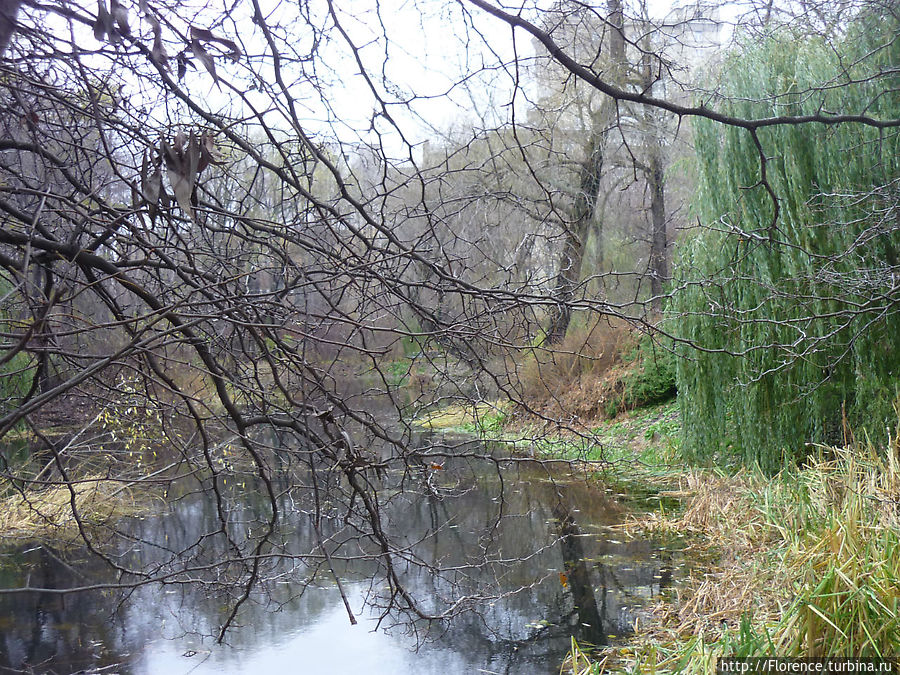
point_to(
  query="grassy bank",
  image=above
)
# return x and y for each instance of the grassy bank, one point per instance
(803, 564)
(61, 511)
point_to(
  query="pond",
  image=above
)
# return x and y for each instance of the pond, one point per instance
(551, 567)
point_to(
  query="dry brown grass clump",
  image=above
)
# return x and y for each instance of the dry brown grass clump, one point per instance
(576, 377)
(50, 512)
(722, 517)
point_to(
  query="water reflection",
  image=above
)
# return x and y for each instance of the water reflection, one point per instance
(525, 552)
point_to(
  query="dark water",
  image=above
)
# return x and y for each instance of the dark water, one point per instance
(557, 569)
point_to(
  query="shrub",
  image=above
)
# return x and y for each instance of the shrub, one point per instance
(599, 372)
(649, 375)
(571, 378)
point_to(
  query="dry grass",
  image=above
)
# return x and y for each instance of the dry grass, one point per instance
(578, 662)
(722, 518)
(48, 513)
(806, 564)
(575, 376)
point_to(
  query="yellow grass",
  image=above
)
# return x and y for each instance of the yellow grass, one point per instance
(805, 564)
(460, 417)
(48, 512)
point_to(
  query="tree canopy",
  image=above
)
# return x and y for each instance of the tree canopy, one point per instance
(792, 287)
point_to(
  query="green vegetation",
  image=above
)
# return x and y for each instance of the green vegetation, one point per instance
(649, 374)
(801, 345)
(484, 419)
(806, 564)
(397, 373)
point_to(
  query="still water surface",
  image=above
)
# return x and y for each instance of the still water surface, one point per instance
(523, 625)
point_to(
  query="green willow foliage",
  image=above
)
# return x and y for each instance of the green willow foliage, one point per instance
(801, 316)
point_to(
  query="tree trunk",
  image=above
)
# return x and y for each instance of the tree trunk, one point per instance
(8, 11)
(572, 258)
(659, 268)
(569, 271)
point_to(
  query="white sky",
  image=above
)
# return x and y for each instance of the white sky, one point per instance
(431, 45)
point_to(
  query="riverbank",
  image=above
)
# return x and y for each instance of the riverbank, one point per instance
(64, 512)
(805, 563)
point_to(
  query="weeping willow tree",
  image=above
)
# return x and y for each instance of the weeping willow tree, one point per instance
(792, 287)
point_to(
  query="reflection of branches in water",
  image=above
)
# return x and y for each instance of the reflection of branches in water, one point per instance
(506, 587)
(38, 628)
(578, 578)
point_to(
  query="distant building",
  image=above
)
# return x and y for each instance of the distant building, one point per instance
(679, 45)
